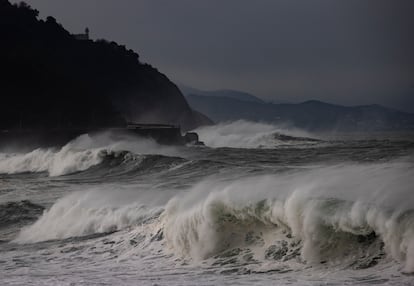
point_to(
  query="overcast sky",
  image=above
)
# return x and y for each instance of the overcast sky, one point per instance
(347, 52)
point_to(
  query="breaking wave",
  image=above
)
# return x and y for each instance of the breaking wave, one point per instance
(245, 134)
(56, 163)
(332, 214)
(354, 214)
(80, 214)
(79, 155)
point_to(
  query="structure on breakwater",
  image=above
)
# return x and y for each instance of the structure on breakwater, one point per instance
(160, 133)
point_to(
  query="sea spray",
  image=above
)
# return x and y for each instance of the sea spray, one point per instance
(56, 163)
(245, 134)
(85, 213)
(78, 155)
(336, 214)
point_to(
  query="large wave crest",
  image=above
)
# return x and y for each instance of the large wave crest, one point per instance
(78, 155)
(356, 214)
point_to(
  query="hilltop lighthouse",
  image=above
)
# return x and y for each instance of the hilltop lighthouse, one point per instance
(82, 37)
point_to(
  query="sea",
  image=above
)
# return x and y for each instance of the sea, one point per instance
(259, 204)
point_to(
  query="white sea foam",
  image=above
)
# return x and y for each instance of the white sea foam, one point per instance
(56, 163)
(325, 211)
(85, 213)
(245, 134)
(78, 155)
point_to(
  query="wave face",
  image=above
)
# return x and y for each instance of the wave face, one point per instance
(327, 215)
(245, 134)
(15, 215)
(332, 214)
(17, 212)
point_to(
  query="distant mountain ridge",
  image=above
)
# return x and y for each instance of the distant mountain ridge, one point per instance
(240, 95)
(310, 115)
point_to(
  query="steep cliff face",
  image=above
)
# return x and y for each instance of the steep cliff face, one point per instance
(53, 80)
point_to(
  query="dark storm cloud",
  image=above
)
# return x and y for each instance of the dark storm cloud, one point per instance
(349, 52)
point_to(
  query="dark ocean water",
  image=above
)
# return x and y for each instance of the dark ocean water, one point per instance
(258, 205)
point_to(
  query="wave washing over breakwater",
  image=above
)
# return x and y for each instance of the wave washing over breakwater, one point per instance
(133, 212)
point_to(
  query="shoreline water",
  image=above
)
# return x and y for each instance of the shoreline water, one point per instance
(298, 212)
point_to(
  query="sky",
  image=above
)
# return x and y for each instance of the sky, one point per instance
(349, 52)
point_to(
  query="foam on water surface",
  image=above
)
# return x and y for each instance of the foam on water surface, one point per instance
(133, 212)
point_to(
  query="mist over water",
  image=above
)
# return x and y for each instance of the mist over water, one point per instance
(245, 134)
(258, 205)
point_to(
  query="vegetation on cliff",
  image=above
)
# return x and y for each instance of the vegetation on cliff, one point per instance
(51, 79)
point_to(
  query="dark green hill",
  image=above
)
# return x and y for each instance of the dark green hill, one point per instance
(51, 79)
